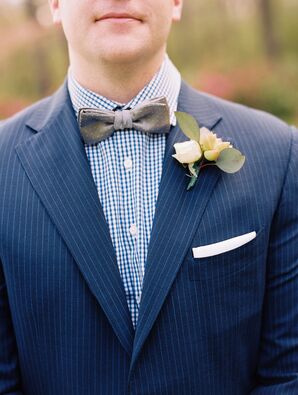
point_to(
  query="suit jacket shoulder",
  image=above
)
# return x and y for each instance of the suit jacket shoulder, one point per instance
(248, 129)
(20, 126)
(235, 113)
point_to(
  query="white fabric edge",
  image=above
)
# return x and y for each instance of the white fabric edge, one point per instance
(223, 246)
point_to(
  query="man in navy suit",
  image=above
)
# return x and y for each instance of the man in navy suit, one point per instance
(114, 279)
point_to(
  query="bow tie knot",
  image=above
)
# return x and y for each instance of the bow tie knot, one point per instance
(123, 120)
(151, 116)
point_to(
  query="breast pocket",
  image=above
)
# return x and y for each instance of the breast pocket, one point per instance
(229, 263)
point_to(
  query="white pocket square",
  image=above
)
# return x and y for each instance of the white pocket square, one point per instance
(223, 246)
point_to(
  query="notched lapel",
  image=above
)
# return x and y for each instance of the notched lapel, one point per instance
(56, 165)
(177, 217)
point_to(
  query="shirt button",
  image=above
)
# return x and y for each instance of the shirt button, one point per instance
(133, 230)
(128, 163)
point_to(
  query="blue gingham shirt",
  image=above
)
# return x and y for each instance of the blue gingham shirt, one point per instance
(127, 169)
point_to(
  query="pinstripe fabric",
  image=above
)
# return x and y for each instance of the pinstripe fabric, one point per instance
(128, 195)
(221, 325)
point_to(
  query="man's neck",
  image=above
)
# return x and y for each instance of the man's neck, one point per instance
(118, 82)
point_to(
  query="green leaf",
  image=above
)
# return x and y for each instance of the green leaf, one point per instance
(230, 160)
(192, 182)
(188, 125)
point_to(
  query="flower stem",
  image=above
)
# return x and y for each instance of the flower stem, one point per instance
(207, 164)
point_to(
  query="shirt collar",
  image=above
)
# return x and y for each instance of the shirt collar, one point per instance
(166, 82)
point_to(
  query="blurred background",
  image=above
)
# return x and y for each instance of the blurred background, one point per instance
(242, 50)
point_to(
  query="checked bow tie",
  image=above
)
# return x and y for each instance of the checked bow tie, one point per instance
(151, 116)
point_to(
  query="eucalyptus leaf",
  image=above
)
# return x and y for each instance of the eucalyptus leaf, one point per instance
(188, 125)
(230, 160)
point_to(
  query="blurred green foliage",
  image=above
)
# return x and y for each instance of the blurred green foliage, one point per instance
(219, 47)
(223, 52)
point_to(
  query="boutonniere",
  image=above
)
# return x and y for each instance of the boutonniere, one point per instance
(204, 149)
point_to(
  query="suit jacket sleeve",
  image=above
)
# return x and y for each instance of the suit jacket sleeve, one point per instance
(10, 382)
(278, 359)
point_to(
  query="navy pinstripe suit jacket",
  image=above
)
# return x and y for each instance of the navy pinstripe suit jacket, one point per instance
(219, 325)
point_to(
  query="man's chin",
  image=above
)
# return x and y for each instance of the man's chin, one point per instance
(121, 55)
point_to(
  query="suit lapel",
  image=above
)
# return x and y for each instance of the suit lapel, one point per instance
(56, 165)
(177, 216)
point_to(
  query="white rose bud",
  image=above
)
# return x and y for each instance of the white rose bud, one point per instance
(211, 155)
(188, 152)
(212, 145)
